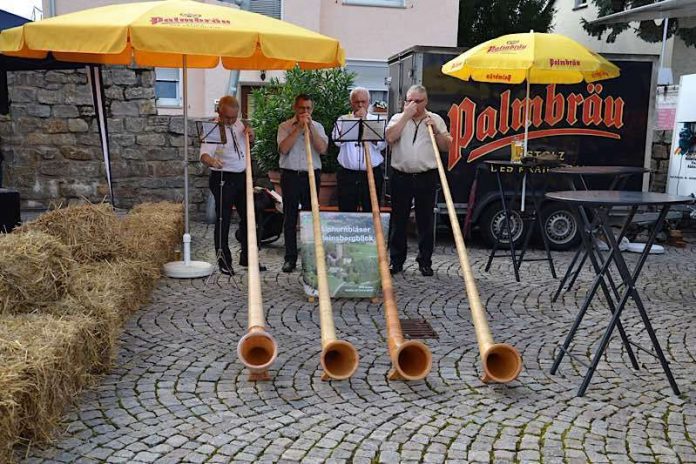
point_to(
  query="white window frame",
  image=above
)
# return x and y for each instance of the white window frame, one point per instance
(170, 102)
(377, 3)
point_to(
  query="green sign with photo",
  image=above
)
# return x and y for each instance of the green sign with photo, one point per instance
(351, 254)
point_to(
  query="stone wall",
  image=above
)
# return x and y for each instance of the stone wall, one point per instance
(52, 148)
(659, 164)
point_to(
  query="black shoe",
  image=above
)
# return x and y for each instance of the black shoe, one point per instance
(288, 266)
(396, 268)
(224, 269)
(426, 270)
(244, 262)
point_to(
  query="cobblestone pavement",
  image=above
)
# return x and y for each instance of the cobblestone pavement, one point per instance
(179, 394)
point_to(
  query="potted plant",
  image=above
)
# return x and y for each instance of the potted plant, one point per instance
(380, 106)
(330, 90)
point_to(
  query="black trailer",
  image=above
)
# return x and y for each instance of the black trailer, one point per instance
(606, 123)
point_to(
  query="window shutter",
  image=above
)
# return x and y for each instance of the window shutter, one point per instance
(266, 7)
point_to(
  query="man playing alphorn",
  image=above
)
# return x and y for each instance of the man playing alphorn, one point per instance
(414, 177)
(293, 169)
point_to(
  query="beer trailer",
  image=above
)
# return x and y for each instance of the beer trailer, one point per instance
(607, 123)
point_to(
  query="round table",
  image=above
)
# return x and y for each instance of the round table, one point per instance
(600, 203)
(621, 175)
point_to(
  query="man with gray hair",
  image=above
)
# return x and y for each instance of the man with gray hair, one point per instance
(351, 179)
(414, 177)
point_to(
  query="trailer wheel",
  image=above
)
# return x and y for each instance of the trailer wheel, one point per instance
(492, 225)
(561, 227)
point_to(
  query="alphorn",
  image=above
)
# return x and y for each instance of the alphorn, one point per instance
(501, 362)
(339, 358)
(257, 349)
(411, 359)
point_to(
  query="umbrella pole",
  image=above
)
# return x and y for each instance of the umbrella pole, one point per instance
(526, 139)
(187, 235)
(186, 269)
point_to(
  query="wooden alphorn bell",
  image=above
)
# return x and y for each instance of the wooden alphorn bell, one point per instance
(411, 359)
(501, 362)
(257, 349)
(339, 358)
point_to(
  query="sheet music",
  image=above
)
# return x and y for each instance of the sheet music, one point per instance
(373, 130)
(349, 129)
(208, 132)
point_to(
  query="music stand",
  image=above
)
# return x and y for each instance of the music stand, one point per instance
(207, 132)
(359, 130)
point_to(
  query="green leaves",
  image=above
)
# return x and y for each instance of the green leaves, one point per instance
(482, 20)
(330, 89)
(646, 30)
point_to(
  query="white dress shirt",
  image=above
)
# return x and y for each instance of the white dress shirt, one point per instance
(351, 155)
(233, 153)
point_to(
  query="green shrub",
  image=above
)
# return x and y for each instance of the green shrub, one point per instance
(329, 88)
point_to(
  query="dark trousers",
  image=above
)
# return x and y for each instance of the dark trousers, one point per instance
(232, 192)
(353, 191)
(405, 188)
(295, 187)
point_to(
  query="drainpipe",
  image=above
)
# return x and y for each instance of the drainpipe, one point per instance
(664, 76)
(51, 8)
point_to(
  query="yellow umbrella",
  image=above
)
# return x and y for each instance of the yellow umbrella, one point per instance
(161, 33)
(174, 34)
(534, 57)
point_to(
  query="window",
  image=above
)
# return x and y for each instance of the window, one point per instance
(168, 86)
(270, 8)
(387, 3)
(580, 4)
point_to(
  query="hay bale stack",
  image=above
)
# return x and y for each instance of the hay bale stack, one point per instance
(90, 231)
(124, 282)
(43, 364)
(152, 232)
(80, 271)
(106, 321)
(107, 292)
(33, 271)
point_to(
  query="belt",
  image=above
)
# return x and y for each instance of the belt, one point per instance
(296, 172)
(356, 171)
(225, 173)
(414, 174)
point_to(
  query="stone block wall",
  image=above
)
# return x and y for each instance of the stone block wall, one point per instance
(659, 164)
(52, 149)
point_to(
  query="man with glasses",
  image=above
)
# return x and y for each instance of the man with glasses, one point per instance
(351, 179)
(227, 182)
(414, 177)
(294, 180)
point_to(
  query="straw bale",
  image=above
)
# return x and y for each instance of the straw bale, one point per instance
(124, 282)
(152, 231)
(34, 269)
(44, 362)
(90, 231)
(108, 292)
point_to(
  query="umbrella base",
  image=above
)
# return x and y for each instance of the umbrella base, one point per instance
(194, 270)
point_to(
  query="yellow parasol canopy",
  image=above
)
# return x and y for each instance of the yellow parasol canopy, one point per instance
(160, 33)
(536, 57)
